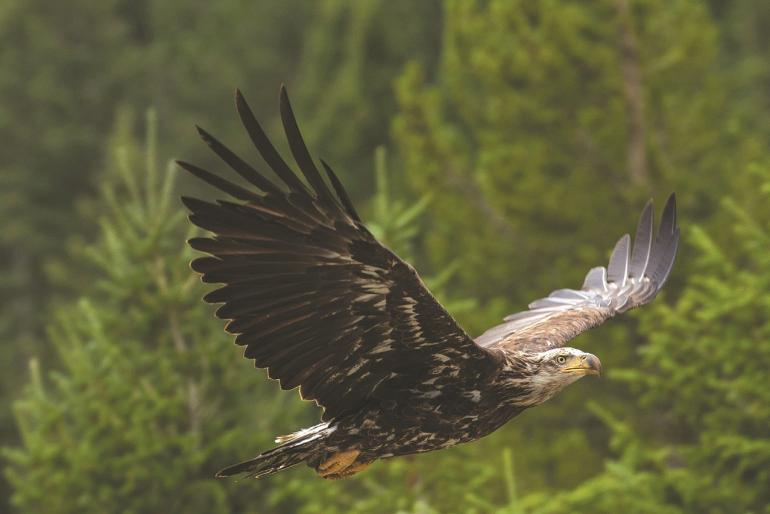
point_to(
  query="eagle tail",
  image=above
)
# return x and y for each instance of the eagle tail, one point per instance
(301, 446)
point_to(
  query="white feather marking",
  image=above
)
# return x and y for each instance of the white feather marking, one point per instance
(382, 348)
(355, 368)
(474, 396)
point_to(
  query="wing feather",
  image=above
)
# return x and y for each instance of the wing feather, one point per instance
(310, 293)
(632, 278)
(300, 151)
(642, 243)
(341, 193)
(236, 163)
(264, 146)
(617, 269)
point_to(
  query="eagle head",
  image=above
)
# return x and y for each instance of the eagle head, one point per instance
(555, 369)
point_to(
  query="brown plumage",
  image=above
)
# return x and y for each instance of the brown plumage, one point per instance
(318, 301)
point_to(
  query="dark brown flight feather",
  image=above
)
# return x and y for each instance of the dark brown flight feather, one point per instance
(310, 293)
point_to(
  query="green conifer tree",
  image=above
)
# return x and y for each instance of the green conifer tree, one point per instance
(144, 399)
(704, 444)
(351, 56)
(69, 67)
(546, 122)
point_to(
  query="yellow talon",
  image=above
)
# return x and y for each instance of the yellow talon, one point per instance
(351, 470)
(341, 464)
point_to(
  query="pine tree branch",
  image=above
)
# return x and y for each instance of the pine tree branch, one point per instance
(630, 68)
(181, 346)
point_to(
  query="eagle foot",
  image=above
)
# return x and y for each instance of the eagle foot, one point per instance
(351, 470)
(340, 465)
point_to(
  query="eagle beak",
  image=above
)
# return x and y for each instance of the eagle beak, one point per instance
(585, 364)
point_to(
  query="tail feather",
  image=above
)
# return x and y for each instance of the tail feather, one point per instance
(296, 449)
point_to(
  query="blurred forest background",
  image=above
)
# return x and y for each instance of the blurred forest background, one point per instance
(502, 146)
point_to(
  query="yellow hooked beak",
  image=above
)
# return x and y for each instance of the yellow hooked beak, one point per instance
(585, 364)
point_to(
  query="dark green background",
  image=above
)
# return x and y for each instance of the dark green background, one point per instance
(502, 146)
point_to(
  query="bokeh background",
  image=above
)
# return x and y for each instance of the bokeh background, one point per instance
(502, 146)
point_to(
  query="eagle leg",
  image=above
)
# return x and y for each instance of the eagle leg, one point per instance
(351, 470)
(354, 468)
(336, 465)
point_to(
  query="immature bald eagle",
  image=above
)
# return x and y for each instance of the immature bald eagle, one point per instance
(315, 299)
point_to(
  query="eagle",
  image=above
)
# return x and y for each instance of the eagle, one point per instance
(316, 300)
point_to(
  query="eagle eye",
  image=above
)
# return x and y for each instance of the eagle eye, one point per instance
(561, 359)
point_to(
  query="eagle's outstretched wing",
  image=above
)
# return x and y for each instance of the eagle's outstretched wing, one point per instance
(310, 292)
(632, 278)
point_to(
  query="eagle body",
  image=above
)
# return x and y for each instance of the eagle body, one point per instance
(314, 298)
(449, 414)
(388, 431)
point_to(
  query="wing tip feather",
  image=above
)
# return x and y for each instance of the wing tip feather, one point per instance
(342, 195)
(617, 269)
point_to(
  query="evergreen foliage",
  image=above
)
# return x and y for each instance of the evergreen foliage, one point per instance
(352, 53)
(70, 69)
(152, 396)
(705, 445)
(524, 138)
(149, 398)
(531, 98)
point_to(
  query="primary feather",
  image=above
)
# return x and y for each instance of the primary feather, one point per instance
(311, 294)
(632, 278)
